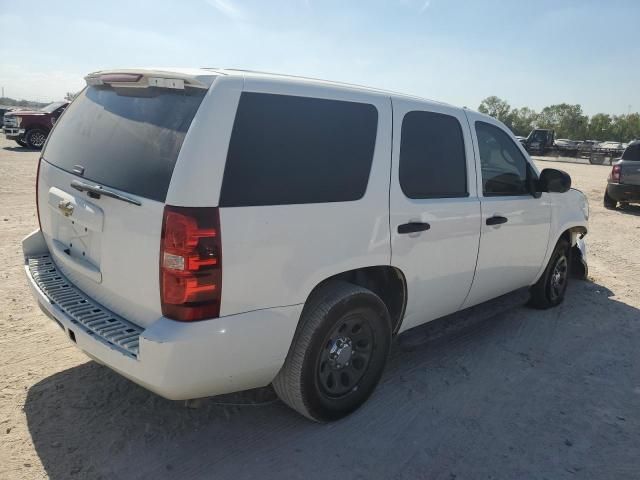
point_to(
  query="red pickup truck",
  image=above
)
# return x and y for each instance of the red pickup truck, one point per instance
(30, 128)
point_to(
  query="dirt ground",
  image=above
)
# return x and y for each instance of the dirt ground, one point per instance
(500, 391)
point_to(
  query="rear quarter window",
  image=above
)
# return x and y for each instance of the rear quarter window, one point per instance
(296, 150)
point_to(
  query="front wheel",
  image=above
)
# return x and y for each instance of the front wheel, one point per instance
(20, 141)
(338, 354)
(35, 138)
(549, 290)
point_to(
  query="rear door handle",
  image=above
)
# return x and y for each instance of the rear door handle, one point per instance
(497, 220)
(413, 227)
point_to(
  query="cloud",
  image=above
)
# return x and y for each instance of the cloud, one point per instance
(228, 9)
(425, 5)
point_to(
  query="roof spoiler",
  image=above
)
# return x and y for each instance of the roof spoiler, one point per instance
(144, 79)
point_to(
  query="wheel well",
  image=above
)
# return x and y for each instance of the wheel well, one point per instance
(35, 126)
(578, 266)
(385, 281)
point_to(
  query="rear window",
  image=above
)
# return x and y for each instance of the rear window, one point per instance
(632, 152)
(128, 139)
(293, 150)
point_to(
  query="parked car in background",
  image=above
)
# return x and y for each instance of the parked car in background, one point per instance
(586, 147)
(623, 183)
(30, 128)
(611, 149)
(566, 147)
(246, 238)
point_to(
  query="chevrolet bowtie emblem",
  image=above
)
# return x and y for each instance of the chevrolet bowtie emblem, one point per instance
(66, 207)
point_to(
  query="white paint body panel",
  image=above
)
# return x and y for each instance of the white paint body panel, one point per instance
(273, 256)
(179, 360)
(119, 268)
(511, 254)
(438, 264)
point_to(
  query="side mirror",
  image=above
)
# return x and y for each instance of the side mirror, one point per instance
(554, 181)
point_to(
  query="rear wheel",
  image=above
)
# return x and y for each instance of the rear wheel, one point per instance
(549, 290)
(338, 355)
(609, 202)
(35, 138)
(21, 142)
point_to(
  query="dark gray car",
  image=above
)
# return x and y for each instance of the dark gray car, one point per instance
(623, 184)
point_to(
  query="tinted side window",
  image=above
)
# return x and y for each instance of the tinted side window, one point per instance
(504, 169)
(432, 158)
(292, 150)
(632, 152)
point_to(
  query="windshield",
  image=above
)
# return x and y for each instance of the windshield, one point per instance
(52, 107)
(125, 138)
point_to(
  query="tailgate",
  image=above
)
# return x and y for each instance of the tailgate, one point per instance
(102, 185)
(108, 248)
(630, 172)
(630, 164)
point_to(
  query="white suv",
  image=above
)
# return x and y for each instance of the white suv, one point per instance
(208, 231)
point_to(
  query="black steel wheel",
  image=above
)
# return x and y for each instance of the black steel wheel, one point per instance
(35, 138)
(559, 278)
(338, 353)
(345, 357)
(550, 289)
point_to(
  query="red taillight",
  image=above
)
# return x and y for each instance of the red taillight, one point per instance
(37, 184)
(616, 173)
(190, 263)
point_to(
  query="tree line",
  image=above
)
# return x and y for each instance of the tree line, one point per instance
(12, 102)
(568, 121)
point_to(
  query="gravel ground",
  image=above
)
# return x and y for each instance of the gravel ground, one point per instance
(500, 391)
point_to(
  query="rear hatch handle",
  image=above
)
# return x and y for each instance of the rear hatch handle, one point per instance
(94, 191)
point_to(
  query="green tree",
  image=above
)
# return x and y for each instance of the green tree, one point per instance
(568, 121)
(497, 108)
(625, 127)
(523, 120)
(600, 127)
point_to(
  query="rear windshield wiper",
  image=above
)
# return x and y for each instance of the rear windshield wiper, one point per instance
(94, 191)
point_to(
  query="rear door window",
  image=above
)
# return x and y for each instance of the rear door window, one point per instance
(125, 138)
(432, 158)
(295, 150)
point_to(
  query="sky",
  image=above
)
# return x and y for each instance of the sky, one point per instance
(531, 53)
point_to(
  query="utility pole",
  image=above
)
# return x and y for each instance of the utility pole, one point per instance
(2, 92)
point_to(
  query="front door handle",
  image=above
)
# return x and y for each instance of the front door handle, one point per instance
(413, 227)
(497, 220)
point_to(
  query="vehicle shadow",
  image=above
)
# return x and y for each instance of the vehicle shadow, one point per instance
(20, 149)
(495, 391)
(630, 209)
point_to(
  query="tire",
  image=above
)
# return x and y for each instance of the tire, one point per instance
(609, 203)
(550, 289)
(21, 142)
(338, 353)
(35, 138)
